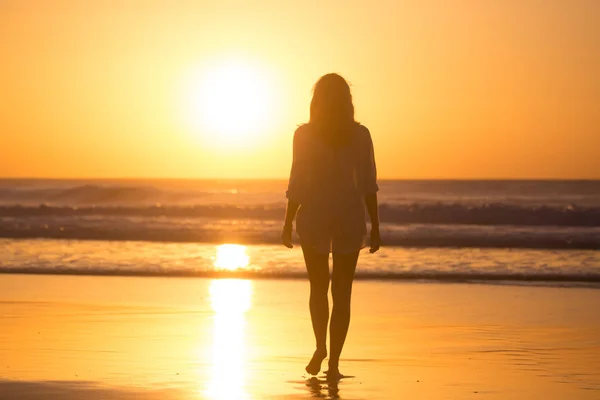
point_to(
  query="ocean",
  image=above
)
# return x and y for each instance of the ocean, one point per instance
(513, 231)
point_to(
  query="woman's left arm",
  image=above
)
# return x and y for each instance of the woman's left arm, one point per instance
(373, 210)
(371, 189)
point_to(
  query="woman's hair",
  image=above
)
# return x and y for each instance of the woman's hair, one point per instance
(331, 108)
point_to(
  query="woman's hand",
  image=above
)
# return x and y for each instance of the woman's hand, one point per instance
(373, 210)
(375, 240)
(286, 237)
(290, 214)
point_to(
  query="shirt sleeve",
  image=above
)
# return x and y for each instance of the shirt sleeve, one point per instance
(298, 182)
(370, 168)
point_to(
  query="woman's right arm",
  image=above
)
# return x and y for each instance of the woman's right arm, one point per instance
(290, 214)
(295, 192)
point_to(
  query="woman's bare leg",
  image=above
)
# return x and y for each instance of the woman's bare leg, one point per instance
(317, 266)
(344, 266)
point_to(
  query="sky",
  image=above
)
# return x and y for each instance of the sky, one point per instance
(450, 89)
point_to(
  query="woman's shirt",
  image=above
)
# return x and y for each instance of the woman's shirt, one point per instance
(330, 183)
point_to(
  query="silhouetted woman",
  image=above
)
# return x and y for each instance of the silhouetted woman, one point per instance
(333, 177)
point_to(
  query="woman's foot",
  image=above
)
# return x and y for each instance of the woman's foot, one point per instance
(314, 366)
(333, 374)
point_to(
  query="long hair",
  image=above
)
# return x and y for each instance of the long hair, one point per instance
(331, 109)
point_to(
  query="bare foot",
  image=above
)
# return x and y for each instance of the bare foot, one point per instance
(314, 366)
(333, 374)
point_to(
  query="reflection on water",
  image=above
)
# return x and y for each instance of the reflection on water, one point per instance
(323, 388)
(231, 257)
(230, 299)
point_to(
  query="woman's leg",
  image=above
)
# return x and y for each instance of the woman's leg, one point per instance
(317, 266)
(344, 266)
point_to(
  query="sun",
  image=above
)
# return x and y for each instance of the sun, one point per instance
(230, 101)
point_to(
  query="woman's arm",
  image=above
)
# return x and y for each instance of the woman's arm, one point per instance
(290, 214)
(371, 189)
(296, 189)
(373, 210)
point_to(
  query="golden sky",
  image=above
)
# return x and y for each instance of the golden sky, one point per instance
(448, 88)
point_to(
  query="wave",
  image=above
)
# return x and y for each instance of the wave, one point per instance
(550, 215)
(90, 194)
(276, 262)
(99, 194)
(435, 276)
(268, 232)
(415, 213)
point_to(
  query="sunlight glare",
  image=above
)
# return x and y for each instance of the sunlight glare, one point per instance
(231, 102)
(231, 257)
(230, 299)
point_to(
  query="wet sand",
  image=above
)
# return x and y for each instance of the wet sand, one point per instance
(67, 337)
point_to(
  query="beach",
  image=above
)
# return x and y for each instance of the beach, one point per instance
(72, 337)
(161, 163)
(176, 289)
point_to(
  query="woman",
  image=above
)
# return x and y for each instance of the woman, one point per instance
(333, 177)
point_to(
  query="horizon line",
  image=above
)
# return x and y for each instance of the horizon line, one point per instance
(31, 178)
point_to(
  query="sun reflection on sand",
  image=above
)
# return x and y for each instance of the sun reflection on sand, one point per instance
(230, 299)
